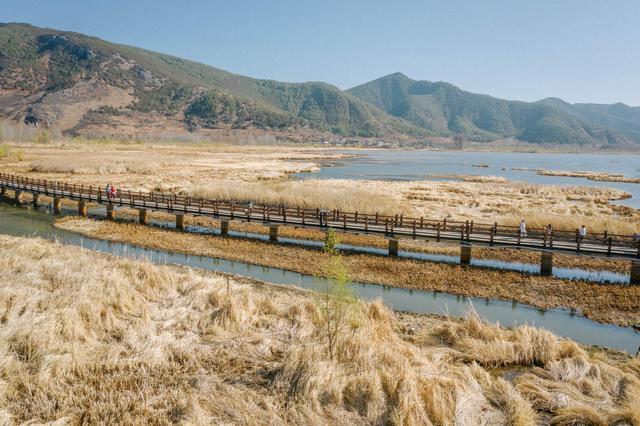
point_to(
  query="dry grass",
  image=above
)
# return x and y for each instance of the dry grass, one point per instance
(306, 193)
(88, 338)
(261, 174)
(616, 304)
(597, 176)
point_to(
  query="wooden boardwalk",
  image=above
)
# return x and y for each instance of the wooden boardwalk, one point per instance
(389, 226)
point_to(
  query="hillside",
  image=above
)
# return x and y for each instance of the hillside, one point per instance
(622, 118)
(82, 85)
(76, 82)
(444, 109)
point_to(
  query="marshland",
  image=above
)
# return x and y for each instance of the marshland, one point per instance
(285, 355)
(89, 338)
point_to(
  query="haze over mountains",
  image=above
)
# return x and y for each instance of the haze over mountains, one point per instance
(82, 84)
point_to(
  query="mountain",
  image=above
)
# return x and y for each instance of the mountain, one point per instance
(76, 82)
(83, 85)
(622, 118)
(445, 109)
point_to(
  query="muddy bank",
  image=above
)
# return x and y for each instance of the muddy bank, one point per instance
(612, 304)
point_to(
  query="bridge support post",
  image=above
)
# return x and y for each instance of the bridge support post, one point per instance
(546, 262)
(57, 205)
(635, 272)
(180, 221)
(17, 196)
(35, 199)
(465, 254)
(273, 233)
(224, 228)
(111, 212)
(142, 216)
(82, 208)
(393, 247)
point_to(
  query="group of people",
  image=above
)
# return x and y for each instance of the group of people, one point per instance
(582, 232)
(111, 191)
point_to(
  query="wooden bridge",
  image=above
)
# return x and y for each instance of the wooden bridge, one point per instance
(392, 227)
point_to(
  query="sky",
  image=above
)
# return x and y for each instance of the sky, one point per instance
(578, 50)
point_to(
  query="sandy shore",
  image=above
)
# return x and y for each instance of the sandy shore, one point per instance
(613, 304)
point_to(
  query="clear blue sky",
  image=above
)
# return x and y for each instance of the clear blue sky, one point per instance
(579, 50)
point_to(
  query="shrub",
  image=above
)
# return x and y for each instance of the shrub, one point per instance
(330, 242)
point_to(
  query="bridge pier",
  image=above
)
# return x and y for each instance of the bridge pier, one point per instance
(465, 254)
(57, 205)
(142, 216)
(546, 262)
(35, 199)
(273, 233)
(224, 228)
(180, 221)
(17, 196)
(393, 247)
(635, 272)
(111, 212)
(82, 208)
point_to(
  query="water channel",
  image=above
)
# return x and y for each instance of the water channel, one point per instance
(21, 221)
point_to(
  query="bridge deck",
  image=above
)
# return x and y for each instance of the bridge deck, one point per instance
(604, 244)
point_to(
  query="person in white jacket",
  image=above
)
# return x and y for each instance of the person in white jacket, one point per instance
(583, 232)
(523, 229)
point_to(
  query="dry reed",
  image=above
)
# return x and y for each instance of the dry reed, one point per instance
(88, 338)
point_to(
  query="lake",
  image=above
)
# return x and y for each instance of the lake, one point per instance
(405, 165)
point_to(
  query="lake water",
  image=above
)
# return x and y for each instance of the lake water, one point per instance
(398, 165)
(28, 222)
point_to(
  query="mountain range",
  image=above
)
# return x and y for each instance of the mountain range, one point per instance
(83, 85)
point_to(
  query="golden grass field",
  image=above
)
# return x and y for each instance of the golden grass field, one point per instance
(89, 338)
(260, 173)
(616, 304)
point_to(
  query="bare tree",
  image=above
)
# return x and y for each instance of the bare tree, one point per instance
(458, 141)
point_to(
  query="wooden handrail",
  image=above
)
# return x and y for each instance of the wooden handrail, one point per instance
(397, 224)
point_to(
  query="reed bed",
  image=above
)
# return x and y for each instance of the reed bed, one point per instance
(89, 338)
(309, 193)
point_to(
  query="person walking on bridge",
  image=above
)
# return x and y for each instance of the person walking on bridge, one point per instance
(523, 229)
(107, 191)
(582, 233)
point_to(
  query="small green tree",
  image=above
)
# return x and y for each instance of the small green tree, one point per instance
(336, 302)
(331, 241)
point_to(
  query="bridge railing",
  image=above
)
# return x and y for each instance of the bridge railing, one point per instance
(353, 220)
